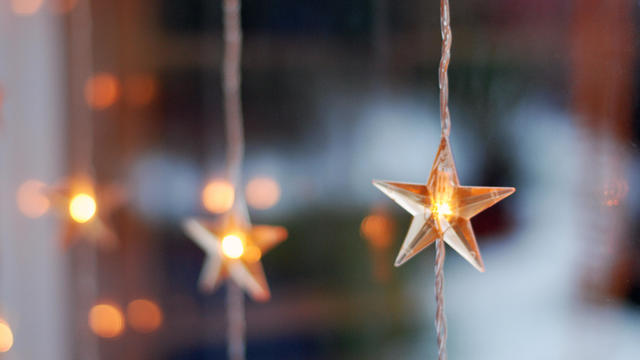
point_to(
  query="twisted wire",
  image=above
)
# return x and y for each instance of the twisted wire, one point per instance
(443, 79)
(441, 319)
(445, 123)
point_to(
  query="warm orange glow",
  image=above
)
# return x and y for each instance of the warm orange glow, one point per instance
(106, 320)
(25, 7)
(6, 336)
(262, 193)
(252, 254)
(82, 208)
(144, 316)
(140, 89)
(217, 196)
(31, 199)
(62, 6)
(377, 229)
(443, 209)
(101, 90)
(232, 246)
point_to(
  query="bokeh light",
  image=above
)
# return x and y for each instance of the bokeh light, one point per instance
(139, 89)
(144, 316)
(62, 6)
(6, 336)
(262, 193)
(106, 320)
(25, 7)
(82, 208)
(232, 246)
(31, 199)
(101, 90)
(218, 196)
(377, 228)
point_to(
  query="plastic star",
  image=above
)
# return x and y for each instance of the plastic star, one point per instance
(442, 209)
(234, 248)
(88, 217)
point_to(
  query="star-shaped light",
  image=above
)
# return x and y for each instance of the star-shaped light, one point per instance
(86, 209)
(234, 248)
(442, 209)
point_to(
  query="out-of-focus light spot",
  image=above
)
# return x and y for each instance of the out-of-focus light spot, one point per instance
(252, 254)
(101, 91)
(25, 7)
(106, 320)
(140, 89)
(144, 316)
(615, 191)
(377, 229)
(232, 246)
(262, 193)
(31, 200)
(218, 196)
(62, 6)
(82, 207)
(6, 336)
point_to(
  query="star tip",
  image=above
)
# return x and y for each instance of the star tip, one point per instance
(262, 297)
(400, 261)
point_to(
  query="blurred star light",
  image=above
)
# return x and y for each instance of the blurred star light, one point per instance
(82, 207)
(6, 336)
(217, 196)
(101, 90)
(106, 320)
(31, 199)
(262, 193)
(144, 316)
(25, 7)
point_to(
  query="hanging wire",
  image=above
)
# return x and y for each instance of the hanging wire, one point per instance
(443, 79)
(231, 79)
(441, 319)
(445, 120)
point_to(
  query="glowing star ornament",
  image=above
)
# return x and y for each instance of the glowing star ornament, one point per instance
(442, 209)
(234, 248)
(86, 209)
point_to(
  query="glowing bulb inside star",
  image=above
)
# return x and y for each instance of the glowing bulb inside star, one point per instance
(441, 209)
(232, 246)
(82, 208)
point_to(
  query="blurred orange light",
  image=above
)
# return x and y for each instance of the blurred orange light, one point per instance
(25, 7)
(6, 336)
(62, 6)
(262, 193)
(82, 208)
(377, 229)
(140, 89)
(106, 320)
(144, 316)
(31, 199)
(218, 196)
(101, 90)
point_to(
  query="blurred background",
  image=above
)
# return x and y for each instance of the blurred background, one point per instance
(124, 98)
